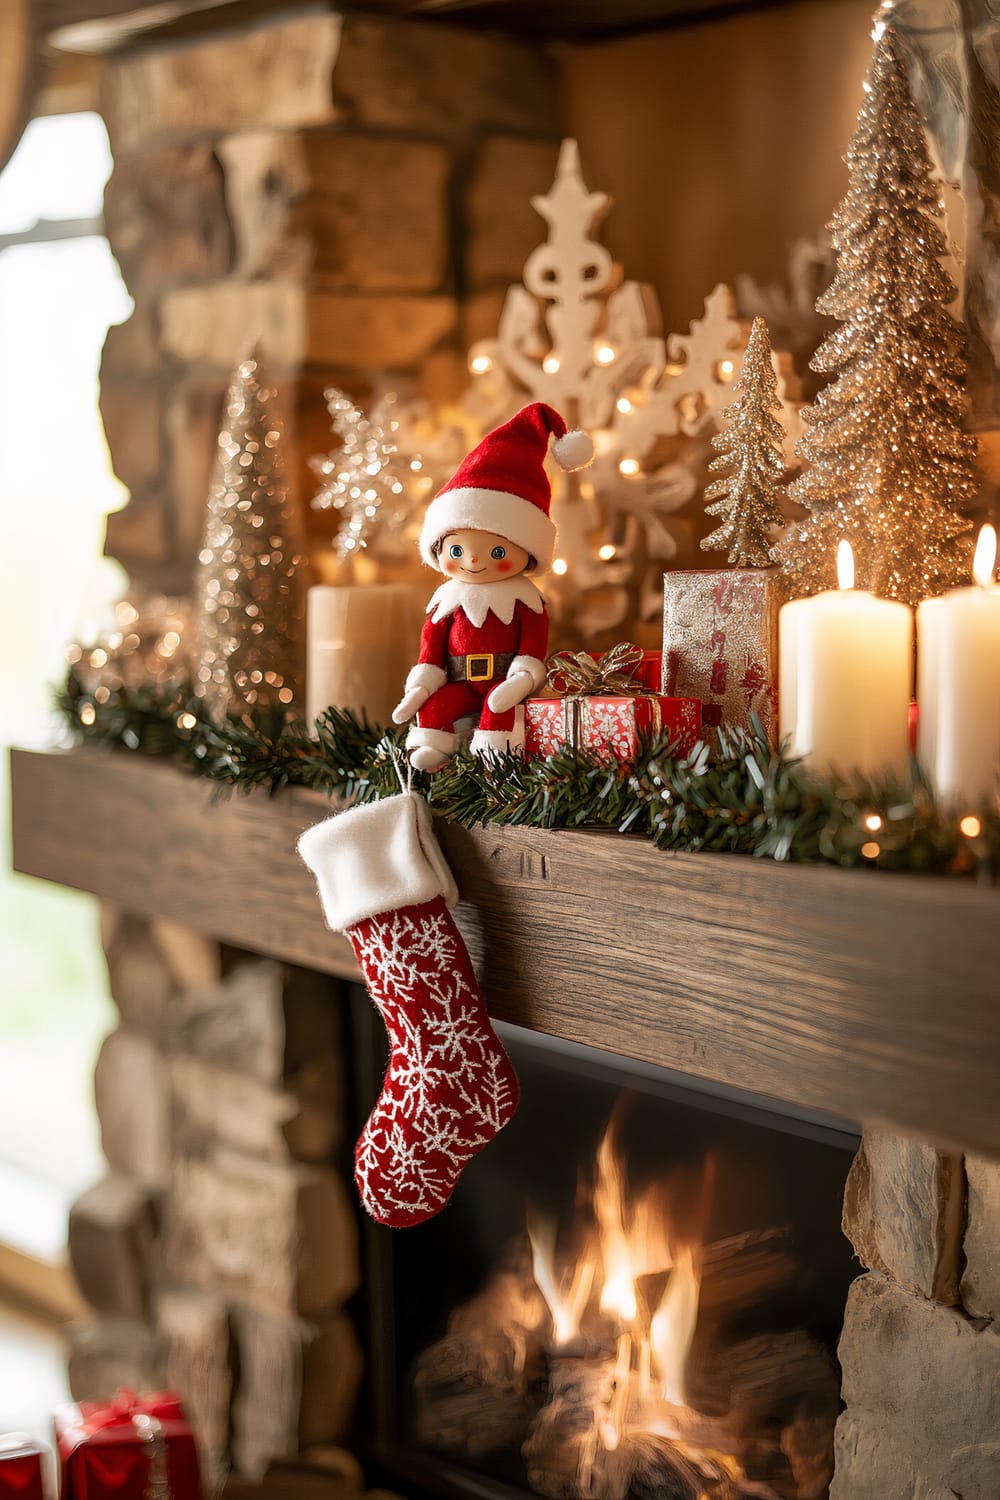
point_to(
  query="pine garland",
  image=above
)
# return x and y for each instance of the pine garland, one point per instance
(745, 799)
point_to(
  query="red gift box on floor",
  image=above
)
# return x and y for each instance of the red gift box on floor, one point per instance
(130, 1448)
(21, 1467)
(608, 726)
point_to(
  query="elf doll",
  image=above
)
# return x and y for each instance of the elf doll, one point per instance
(482, 650)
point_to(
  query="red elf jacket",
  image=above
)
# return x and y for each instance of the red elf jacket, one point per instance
(469, 626)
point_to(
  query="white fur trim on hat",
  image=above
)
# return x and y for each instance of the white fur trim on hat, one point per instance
(379, 857)
(574, 450)
(506, 515)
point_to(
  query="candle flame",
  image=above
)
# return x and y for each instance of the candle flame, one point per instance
(985, 559)
(845, 566)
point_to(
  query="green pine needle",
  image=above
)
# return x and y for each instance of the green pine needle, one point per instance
(745, 798)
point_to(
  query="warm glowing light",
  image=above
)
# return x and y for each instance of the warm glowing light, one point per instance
(672, 1329)
(971, 827)
(845, 566)
(605, 355)
(88, 714)
(625, 1239)
(628, 466)
(607, 552)
(186, 721)
(99, 658)
(416, 464)
(725, 369)
(873, 822)
(610, 1426)
(985, 560)
(565, 1305)
(560, 566)
(618, 1296)
(551, 365)
(871, 850)
(624, 405)
(480, 364)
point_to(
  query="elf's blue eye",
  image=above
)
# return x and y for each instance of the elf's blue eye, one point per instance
(454, 550)
(498, 553)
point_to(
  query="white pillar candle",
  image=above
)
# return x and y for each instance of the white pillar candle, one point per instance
(958, 687)
(846, 660)
(360, 644)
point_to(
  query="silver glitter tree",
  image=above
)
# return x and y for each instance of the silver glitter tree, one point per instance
(750, 461)
(248, 612)
(891, 460)
(365, 479)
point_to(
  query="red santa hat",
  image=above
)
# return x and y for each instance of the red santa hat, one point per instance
(502, 486)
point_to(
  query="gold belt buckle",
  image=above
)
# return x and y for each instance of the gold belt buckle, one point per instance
(479, 668)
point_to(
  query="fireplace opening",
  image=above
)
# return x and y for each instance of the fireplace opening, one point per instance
(635, 1292)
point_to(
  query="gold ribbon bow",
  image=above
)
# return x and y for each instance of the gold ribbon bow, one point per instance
(575, 674)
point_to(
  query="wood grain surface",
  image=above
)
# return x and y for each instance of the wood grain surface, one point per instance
(873, 996)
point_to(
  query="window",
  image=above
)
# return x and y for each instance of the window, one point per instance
(60, 289)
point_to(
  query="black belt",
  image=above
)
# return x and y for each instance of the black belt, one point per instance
(479, 666)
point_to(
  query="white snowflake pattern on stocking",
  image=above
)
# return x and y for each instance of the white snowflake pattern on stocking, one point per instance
(449, 1087)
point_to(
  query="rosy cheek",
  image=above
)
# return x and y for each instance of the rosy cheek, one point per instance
(450, 565)
(504, 567)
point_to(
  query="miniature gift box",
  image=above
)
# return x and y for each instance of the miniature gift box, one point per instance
(21, 1472)
(130, 1448)
(605, 707)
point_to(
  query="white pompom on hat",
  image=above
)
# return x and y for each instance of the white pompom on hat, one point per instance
(502, 486)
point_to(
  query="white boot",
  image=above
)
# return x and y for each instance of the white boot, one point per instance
(498, 741)
(430, 749)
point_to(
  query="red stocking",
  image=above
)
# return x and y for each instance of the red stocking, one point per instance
(449, 1087)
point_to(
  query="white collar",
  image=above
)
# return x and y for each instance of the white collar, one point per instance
(477, 599)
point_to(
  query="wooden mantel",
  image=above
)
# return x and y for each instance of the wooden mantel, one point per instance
(868, 995)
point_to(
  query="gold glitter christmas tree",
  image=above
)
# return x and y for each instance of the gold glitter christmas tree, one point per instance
(750, 450)
(891, 460)
(248, 637)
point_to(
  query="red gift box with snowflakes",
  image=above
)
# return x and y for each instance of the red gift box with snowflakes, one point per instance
(605, 707)
(21, 1461)
(130, 1448)
(608, 727)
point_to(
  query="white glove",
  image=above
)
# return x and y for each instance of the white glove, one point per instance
(510, 692)
(423, 679)
(411, 703)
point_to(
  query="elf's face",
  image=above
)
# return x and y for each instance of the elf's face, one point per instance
(481, 557)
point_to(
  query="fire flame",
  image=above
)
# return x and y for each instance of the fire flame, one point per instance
(985, 559)
(633, 1240)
